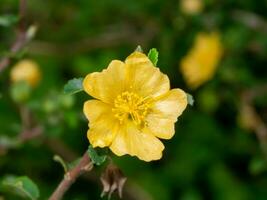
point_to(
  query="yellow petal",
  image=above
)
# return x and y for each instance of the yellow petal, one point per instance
(200, 64)
(102, 123)
(106, 85)
(165, 112)
(95, 109)
(144, 78)
(141, 143)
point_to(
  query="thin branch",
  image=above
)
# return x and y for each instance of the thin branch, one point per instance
(70, 177)
(21, 38)
(22, 14)
(250, 20)
(257, 123)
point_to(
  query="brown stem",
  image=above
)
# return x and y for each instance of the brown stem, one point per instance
(21, 38)
(22, 14)
(250, 20)
(258, 125)
(70, 177)
(25, 117)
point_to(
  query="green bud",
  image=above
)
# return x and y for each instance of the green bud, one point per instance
(20, 91)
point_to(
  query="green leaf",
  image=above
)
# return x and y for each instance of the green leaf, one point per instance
(22, 186)
(8, 20)
(153, 56)
(190, 99)
(74, 86)
(9, 142)
(96, 159)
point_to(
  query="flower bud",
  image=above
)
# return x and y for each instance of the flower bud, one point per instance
(191, 7)
(26, 70)
(112, 179)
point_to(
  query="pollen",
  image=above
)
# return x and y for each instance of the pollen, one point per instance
(130, 105)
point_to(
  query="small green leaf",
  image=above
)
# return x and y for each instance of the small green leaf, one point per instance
(153, 56)
(8, 20)
(58, 159)
(22, 186)
(96, 159)
(9, 142)
(190, 99)
(31, 32)
(139, 49)
(74, 86)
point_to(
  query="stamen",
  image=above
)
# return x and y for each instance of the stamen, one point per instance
(130, 105)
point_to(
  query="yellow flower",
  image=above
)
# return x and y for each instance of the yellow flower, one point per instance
(191, 7)
(134, 107)
(26, 70)
(200, 64)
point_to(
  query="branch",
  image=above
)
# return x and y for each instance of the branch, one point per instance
(256, 122)
(21, 38)
(22, 14)
(250, 20)
(70, 177)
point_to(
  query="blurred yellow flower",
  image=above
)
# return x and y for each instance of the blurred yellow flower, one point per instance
(200, 64)
(134, 107)
(26, 70)
(191, 7)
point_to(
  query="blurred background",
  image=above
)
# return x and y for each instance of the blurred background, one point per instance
(216, 50)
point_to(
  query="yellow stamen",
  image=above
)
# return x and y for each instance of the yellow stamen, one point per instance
(130, 105)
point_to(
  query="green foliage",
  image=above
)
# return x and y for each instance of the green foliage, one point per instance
(74, 86)
(211, 156)
(8, 20)
(96, 159)
(20, 91)
(153, 55)
(9, 142)
(22, 186)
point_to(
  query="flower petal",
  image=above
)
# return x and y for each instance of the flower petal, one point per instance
(102, 123)
(165, 112)
(144, 78)
(106, 85)
(141, 143)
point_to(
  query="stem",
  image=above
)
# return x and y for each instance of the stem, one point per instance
(70, 177)
(22, 14)
(259, 127)
(251, 20)
(21, 38)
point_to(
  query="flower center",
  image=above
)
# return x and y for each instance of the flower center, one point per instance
(129, 105)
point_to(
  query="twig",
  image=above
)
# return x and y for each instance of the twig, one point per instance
(250, 20)
(22, 14)
(257, 124)
(21, 38)
(70, 177)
